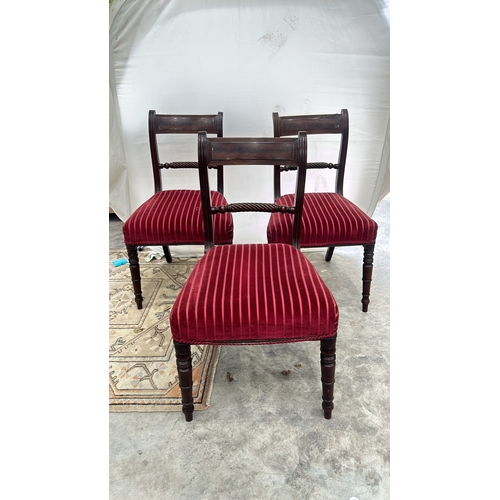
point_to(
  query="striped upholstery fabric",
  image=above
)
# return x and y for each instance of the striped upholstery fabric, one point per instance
(175, 217)
(328, 219)
(253, 293)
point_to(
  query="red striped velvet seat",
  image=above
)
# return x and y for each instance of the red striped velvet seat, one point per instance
(174, 217)
(329, 219)
(253, 293)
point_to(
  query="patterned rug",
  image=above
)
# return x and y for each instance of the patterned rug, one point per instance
(142, 369)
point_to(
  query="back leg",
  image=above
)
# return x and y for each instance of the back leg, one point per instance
(166, 251)
(329, 253)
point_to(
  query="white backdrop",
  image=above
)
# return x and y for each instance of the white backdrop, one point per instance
(247, 59)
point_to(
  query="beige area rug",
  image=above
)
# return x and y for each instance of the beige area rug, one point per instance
(142, 369)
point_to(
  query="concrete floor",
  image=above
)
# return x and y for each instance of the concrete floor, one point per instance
(264, 436)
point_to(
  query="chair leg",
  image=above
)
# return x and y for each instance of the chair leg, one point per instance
(133, 259)
(367, 274)
(167, 253)
(329, 253)
(328, 373)
(185, 371)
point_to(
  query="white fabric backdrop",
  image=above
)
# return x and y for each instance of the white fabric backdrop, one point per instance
(247, 59)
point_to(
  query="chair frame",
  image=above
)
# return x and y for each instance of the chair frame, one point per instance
(181, 124)
(253, 151)
(285, 126)
(172, 124)
(338, 123)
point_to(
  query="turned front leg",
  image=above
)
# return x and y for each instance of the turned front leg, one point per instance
(367, 274)
(328, 373)
(185, 371)
(135, 273)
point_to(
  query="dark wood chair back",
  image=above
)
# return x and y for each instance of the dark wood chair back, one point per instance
(285, 126)
(291, 152)
(181, 124)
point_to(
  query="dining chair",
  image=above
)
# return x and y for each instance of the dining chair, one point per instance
(174, 216)
(253, 293)
(329, 219)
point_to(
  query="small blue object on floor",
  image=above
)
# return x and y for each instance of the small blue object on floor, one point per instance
(119, 262)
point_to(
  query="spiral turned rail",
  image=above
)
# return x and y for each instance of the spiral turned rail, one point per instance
(182, 164)
(253, 207)
(288, 168)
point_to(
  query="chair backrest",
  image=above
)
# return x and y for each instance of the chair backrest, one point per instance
(314, 124)
(181, 124)
(291, 152)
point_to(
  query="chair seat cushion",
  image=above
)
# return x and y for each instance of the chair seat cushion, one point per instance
(253, 293)
(328, 219)
(175, 218)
